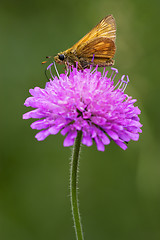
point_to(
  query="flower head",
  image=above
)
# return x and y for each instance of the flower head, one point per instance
(86, 101)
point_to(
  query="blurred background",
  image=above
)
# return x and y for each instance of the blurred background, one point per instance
(119, 190)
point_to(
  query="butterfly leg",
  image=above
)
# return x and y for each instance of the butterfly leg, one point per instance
(110, 62)
(84, 63)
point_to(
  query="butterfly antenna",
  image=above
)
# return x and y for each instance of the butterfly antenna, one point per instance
(49, 67)
(46, 60)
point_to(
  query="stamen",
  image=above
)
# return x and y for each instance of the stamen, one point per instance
(105, 75)
(94, 70)
(90, 67)
(121, 81)
(126, 83)
(67, 71)
(93, 58)
(117, 83)
(114, 71)
(104, 71)
(114, 76)
(51, 73)
(49, 66)
(56, 68)
(123, 84)
(68, 67)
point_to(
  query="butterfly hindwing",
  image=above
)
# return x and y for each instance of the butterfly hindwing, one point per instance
(98, 47)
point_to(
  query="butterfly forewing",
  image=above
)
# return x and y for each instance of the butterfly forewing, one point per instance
(105, 28)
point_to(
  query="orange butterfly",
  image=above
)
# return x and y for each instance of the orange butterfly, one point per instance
(96, 48)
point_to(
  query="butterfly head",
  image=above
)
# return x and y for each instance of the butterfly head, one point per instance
(60, 58)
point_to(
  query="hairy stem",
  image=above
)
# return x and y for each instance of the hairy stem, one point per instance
(73, 187)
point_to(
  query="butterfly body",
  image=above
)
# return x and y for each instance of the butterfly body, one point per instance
(95, 48)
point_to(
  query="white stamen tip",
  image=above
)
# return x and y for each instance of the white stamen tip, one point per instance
(114, 69)
(122, 78)
(49, 66)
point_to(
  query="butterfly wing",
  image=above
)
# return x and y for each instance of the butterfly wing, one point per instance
(99, 42)
(105, 28)
(99, 47)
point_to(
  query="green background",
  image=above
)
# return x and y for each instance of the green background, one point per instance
(119, 190)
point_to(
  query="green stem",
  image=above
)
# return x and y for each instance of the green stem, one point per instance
(73, 186)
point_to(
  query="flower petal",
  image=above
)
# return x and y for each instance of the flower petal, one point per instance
(42, 135)
(69, 140)
(121, 144)
(87, 141)
(100, 145)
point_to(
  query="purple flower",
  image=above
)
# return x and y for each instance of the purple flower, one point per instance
(86, 101)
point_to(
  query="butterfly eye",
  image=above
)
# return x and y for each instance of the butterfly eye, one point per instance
(61, 57)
